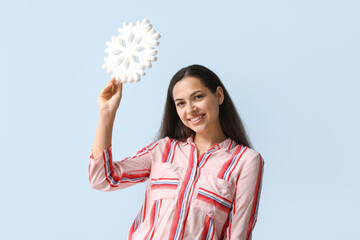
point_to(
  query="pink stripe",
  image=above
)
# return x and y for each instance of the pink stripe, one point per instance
(89, 173)
(155, 179)
(139, 170)
(173, 153)
(234, 202)
(152, 218)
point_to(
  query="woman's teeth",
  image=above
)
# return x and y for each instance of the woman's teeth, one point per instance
(195, 119)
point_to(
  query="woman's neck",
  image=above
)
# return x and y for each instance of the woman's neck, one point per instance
(208, 139)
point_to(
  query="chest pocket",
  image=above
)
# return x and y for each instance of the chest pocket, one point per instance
(164, 181)
(214, 197)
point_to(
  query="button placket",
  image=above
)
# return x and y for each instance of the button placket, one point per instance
(191, 182)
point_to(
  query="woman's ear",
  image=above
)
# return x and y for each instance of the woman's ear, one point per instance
(219, 95)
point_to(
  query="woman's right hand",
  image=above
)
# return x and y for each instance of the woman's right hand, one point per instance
(109, 98)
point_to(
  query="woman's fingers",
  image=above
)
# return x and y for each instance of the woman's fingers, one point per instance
(119, 86)
(110, 96)
(109, 87)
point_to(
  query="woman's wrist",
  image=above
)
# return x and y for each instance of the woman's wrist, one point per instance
(106, 115)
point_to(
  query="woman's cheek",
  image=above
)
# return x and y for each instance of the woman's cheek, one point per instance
(181, 115)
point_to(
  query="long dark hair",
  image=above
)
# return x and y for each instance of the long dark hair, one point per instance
(230, 120)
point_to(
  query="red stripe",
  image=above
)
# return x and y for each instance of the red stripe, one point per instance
(230, 229)
(255, 202)
(206, 227)
(153, 146)
(181, 194)
(136, 156)
(152, 218)
(227, 163)
(224, 229)
(163, 186)
(131, 176)
(138, 152)
(132, 229)
(166, 150)
(128, 181)
(148, 147)
(144, 212)
(215, 195)
(236, 163)
(213, 203)
(137, 223)
(234, 203)
(230, 144)
(213, 227)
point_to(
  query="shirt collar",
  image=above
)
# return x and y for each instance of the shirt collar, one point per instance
(223, 145)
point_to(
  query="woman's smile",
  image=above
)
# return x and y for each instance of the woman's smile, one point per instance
(195, 120)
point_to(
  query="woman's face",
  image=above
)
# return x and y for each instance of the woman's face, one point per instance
(196, 105)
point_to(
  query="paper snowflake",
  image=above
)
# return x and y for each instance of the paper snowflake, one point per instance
(131, 51)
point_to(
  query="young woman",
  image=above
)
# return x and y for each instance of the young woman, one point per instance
(204, 177)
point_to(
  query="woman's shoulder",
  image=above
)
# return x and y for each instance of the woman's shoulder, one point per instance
(253, 155)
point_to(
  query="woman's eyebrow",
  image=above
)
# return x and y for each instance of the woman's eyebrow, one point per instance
(192, 94)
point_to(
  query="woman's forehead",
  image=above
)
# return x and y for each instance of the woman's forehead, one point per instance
(187, 86)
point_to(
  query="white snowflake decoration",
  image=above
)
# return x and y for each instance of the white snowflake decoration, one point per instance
(131, 51)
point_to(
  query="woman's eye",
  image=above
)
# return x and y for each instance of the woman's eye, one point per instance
(198, 97)
(179, 104)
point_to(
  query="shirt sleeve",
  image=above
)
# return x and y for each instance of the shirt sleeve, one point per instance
(243, 216)
(108, 175)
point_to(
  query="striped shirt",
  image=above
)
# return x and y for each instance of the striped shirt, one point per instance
(214, 196)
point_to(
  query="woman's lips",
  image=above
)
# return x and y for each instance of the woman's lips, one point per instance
(196, 119)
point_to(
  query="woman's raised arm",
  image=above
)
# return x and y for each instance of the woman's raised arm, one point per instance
(108, 103)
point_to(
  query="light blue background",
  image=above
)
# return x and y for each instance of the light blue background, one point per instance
(291, 67)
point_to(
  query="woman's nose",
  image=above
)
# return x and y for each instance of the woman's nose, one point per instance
(191, 108)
